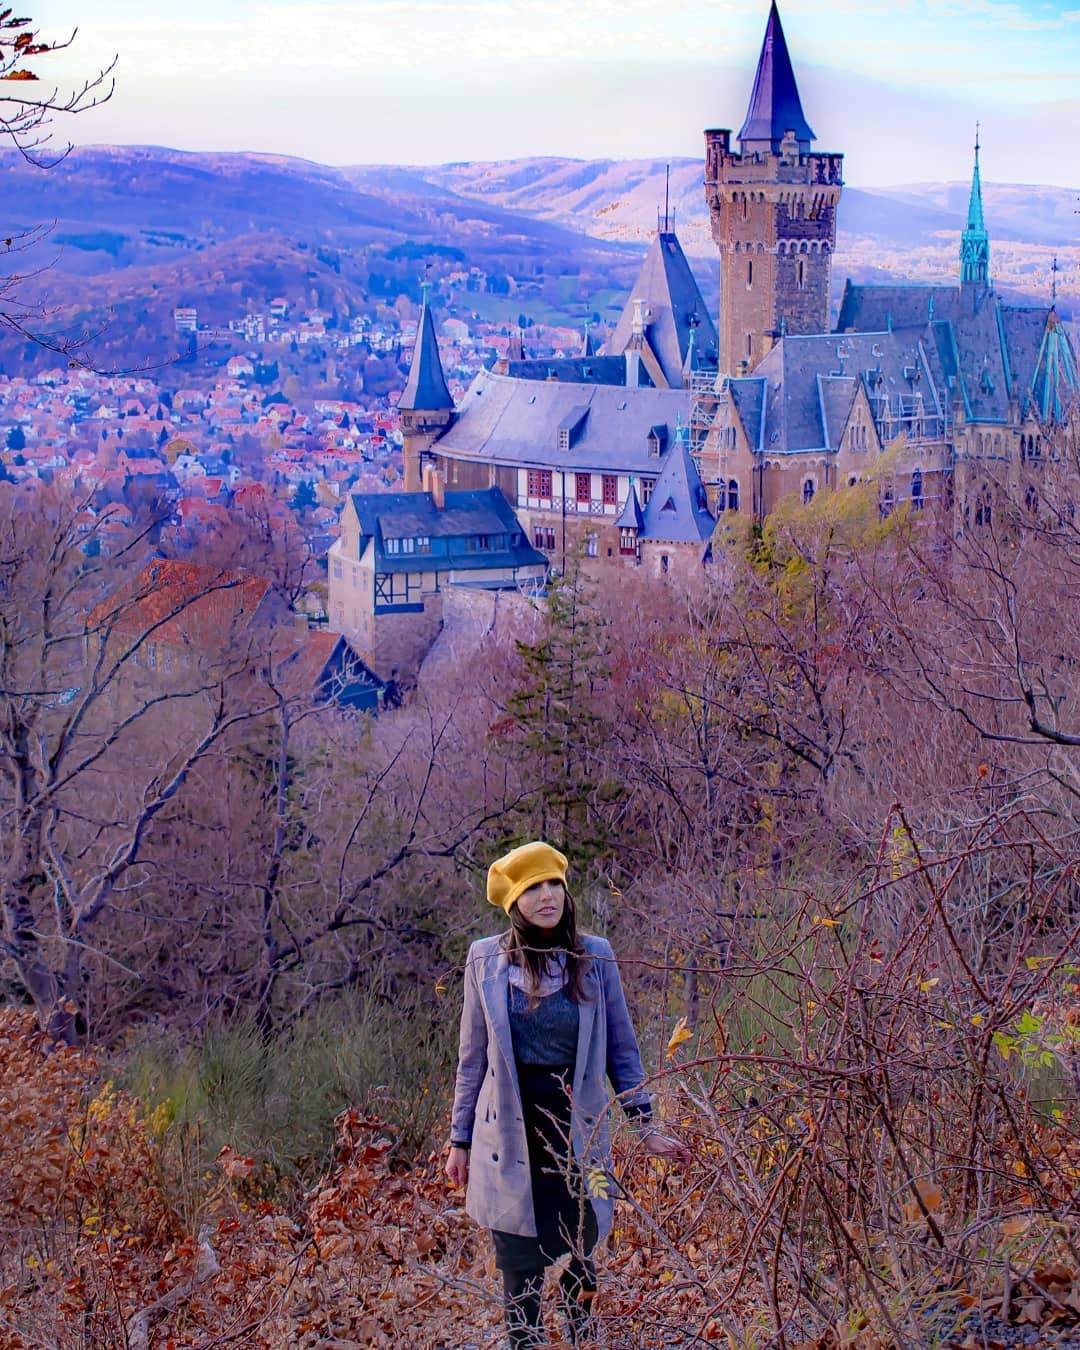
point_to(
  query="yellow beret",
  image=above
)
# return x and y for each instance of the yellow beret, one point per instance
(521, 868)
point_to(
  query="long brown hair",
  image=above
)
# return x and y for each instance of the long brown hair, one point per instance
(528, 946)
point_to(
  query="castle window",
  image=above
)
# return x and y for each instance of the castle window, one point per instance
(749, 344)
(583, 488)
(590, 544)
(539, 484)
(733, 495)
(628, 542)
(664, 562)
(646, 486)
(917, 490)
(808, 491)
(745, 207)
(423, 543)
(800, 274)
(610, 489)
(749, 274)
(885, 505)
(1031, 499)
(337, 569)
(391, 545)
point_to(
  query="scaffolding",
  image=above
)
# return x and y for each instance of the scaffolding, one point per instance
(708, 402)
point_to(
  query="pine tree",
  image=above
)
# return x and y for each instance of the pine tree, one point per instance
(558, 726)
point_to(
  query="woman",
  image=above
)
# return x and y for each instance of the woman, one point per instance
(544, 1022)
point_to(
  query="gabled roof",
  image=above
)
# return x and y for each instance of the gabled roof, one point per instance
(513, 421)
(425, 389)
(678, 508)
(775, 106)
(674, 309)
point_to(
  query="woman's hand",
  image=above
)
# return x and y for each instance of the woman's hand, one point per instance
(457, 1166)
(663, 1147)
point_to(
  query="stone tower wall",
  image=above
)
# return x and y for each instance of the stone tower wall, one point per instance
(774, 222)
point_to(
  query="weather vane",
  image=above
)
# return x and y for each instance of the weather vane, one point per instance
(1054, 270)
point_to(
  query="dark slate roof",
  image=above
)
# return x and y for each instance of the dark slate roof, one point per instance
(870, 309)
(836, 393)
(630, 517)
(978, 350)
(405, 515)
(571, 369)
(425, 389)
(775, 106)
(807, 385)
(515, 421)
(678, 508)
(674, 310)
(749, 398)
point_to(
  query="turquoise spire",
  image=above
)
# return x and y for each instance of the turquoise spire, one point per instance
(975, 242)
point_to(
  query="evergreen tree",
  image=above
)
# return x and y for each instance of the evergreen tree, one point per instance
(16, 438)
(558, 724)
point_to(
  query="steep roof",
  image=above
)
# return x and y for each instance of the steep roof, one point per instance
(630, 517)
(425, 389)
(775, 106)
(678, 508)
(185, 604)
(674, 310)
(514, 421)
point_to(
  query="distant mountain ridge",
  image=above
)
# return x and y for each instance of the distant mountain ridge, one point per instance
(620, 199)
(135, 229)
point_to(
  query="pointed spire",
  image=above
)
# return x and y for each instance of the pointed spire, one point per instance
(425, 389)
(775, 107)
(667, 292)
(588, 342)
(975, 241)
(678, 508)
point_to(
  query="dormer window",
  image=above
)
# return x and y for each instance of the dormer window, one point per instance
(658, 440)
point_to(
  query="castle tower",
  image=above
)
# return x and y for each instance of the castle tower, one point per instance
(773, 210)
(426, 406)
(975, 241)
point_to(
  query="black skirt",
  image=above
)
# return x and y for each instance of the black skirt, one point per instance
(565, 1218)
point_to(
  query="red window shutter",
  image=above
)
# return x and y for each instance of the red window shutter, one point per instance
(584, 487)
(545, 483)
(611, 487)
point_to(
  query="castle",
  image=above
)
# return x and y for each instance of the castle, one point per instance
(633, 453)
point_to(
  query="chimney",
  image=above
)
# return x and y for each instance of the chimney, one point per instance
(435, 483)
(633, 360)
(640, 317)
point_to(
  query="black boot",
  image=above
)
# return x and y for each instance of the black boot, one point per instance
(577, 1289)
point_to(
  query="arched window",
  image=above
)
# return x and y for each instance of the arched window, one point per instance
(1031, 499)
(721, 497)
(886, 504)
(808, 491)
(1023, 449)
(749, 274)
(733, 495)
(749, 344)
(800, 274)
(745, 207)
(917, 490)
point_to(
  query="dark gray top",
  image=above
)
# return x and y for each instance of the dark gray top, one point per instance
(549, 1033)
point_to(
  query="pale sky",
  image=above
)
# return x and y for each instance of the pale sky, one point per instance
(895, 84)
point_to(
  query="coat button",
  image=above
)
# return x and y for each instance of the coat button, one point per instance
(494, 1157)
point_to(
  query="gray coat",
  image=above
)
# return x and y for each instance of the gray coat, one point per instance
(487, 1101)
